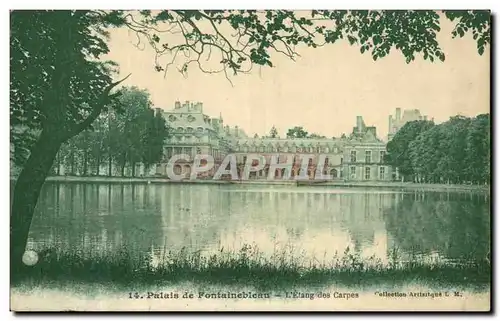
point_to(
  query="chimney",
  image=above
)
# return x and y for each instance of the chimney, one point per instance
(398, 114)
(359, 123)
(200, 107)
(186, 103)
(425, 117)
(390, 123)
(177, 104)
(158, 111)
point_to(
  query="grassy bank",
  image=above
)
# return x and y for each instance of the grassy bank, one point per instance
(248, 267)
(348, 184)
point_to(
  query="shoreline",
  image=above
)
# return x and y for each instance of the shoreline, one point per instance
(298, 183)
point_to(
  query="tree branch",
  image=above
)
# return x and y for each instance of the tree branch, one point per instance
(96, 110)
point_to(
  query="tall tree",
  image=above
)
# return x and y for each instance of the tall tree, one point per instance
(424, 155)
(456, 151)
(138, 125)
(477, 150)
(57, 88)
(296, 132)
(273, 133)
(157, 131)
(398, 149)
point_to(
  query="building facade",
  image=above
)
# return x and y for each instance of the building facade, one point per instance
(396, 122)
(357, 157)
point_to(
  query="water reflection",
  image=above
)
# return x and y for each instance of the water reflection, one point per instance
(310, 222)
(451, 225)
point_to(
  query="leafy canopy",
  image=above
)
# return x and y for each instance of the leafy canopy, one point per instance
(57, 82)
(455, 151)
(296, 132)
(238, 39)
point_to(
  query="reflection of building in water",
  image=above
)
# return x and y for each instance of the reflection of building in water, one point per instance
(319, 222)
(364, 217)
(191, 216)
(94, 219)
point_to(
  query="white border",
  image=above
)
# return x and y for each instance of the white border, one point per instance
(215, 4)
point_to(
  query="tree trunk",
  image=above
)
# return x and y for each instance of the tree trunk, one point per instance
(98, 170)
(27, 191)
(72, 162)
(110, 166)
(123, 168)
(58, 165)
(85, 161)
(133, 169)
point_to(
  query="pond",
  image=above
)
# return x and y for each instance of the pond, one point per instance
(310, 223)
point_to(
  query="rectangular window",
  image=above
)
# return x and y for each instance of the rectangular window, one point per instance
(353, 156)
(341, 160)
(368, 156)
(367, 172)
(353, 171)
(381, 175)
(382, 155)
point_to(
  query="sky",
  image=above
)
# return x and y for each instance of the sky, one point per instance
(324, 89)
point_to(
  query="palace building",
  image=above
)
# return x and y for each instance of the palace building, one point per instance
(356, 157)
(396, 122)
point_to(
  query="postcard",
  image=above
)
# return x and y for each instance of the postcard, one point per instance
(250, 160)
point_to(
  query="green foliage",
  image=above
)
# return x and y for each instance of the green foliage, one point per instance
(299, 132)
(248, 267)
(296, 132)
(134, 135)
(398, 149)
(255, 35)
(457, 151)
(273, 133)
(477, 22)
(57, 83)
